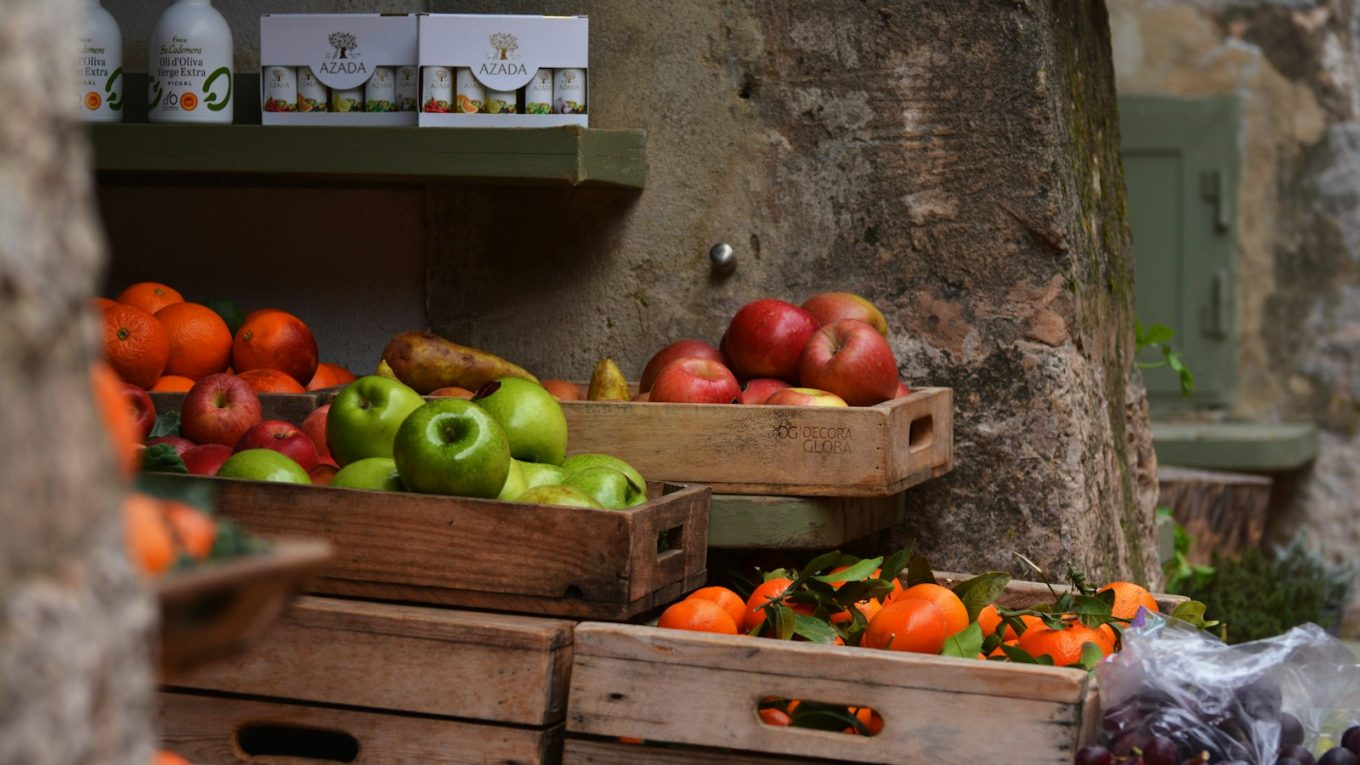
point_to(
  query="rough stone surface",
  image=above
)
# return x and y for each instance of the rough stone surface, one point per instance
(957, 166)
(1294, 67)
(75, 686)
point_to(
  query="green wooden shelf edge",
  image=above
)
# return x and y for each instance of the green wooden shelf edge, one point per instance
(570, 156)
(743, 521)
(1245, 446)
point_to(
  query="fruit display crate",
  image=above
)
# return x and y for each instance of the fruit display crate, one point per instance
(354, 681)
(217, 610)
(936, 710)
(869, 451)
(753, 522)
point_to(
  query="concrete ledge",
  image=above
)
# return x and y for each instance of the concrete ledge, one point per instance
(1249, 446)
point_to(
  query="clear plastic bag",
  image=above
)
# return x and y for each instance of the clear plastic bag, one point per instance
(1173, 680)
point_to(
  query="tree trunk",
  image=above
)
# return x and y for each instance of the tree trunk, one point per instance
(75, 685)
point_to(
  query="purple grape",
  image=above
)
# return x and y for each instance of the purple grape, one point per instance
(1094, 755)
(1291, 731)
(1297, 752)
(1351, 739)
(1287, 761)
(1125, 743)
(1161, 751)
(1337, 756)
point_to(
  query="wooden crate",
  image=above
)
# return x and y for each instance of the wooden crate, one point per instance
(868, 451)
(479, 553)
(627, 680)
(223, 730)
(215, 611)
(754, 522)
(292, 407)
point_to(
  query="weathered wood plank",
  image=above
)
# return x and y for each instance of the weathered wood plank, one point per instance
(597, 752)
(787, 450)
(750, 521)
(210, 730)
(493, 667)
(626, 678)
(1223, 512)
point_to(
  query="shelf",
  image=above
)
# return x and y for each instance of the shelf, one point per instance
(1246, 446)
(565, 156)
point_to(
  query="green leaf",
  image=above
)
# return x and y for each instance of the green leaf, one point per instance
(918, 571)
(1158, 333)
(856, 572)
(980, 591)
(782, 620)
(819, 563)
(822, 717)
(1092, 610)
(162, 458)
(1019, 655)
(1193, 611)
(895, 563)
(813, 629)
(1090, 656)
(167, 424)
(965, 644)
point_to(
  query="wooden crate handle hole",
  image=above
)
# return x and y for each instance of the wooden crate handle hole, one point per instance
(921, 434)
(277, 740)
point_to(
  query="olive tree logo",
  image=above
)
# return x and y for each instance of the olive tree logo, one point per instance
(505, 44)
(342, 42)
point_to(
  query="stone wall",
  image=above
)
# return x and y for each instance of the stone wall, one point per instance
(1295, 67)
(959, 166)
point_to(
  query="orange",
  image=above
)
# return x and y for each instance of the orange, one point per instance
(172, 384)
(122, 429)
(274, 339)
(1128, 597)
(1105, 639)
(1063, 645)
(697, 615)
(908, 625)
(271, 381)
(955, 612)
(871, 720)
(776, 717)
(762, 596)
(328, 375)
(989, 619)
(169, 758)
(193, 529)
(149, 296)
(200, 343)
(146, 534)
(135, 344)
(869, 608)
(730, 601)
(100, 303)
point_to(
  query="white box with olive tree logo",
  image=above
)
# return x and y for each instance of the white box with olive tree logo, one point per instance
(338, 69)
(481, 70)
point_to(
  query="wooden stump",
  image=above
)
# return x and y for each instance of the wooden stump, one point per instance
(1223, 512)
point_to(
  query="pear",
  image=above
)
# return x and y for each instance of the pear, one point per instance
(426, 362)
(607, 486)
(514, 483)
(538, 474)
(558, 495)
(608, 383)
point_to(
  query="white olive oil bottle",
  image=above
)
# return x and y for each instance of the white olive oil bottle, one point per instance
(190, 65)
(101, 66)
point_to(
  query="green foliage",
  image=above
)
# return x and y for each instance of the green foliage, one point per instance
(1157, 338)
(1179, 573)
(1260, 595)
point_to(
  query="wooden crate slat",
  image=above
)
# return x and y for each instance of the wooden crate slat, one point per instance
(204, 730)
(626, 679)
(592, 752)
(801, 451)
(753, 521)
(493, 667)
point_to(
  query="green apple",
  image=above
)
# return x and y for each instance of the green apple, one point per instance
(263, 465)
(538, 474)
(558, 495)
(364, 418)
(531, 417)
(584, 461)
(376, 473)
(451, 446)
(514, 482)
(607, 486)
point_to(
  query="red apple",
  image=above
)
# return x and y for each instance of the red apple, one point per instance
(643, 397)
(849, 358)
(804, 397)
(902, 390)
(322, 474)
(695, 381)
(831, 307)
(205, 459)
(564, 390)
(143, 409)
(757, 390)
(219, 409)
(453, 391)
(180, 444)
(283, 437)
(314, 425)
(766, 339)
(680, 349)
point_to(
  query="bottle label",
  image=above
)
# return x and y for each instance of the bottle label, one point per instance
(501, 102)
(347, 100)
(538, 93)
(312, 95)
(280, 89)
(438, 96)
(407, 88)
(471, 94)
(185, 80)
(569, 91)
(101, 78)
(380, 92)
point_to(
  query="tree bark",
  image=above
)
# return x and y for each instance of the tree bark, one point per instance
(75, 683)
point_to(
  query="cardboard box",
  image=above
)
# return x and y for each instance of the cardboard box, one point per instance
(365, 56)
(478, 54)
